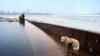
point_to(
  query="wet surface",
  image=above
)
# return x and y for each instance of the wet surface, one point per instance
(42, 44)
(26, 40)
(14, 40)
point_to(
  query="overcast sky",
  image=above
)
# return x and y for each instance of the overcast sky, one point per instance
(52, 6)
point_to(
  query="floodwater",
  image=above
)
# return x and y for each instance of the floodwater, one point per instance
(26, 40)
(14, 40)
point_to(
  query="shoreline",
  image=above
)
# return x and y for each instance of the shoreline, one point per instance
(3, 19)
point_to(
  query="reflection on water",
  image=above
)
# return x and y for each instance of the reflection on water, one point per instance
(13, 40)
(19, 40)
(22, 23)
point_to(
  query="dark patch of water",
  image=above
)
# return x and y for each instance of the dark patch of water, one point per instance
(14, 40)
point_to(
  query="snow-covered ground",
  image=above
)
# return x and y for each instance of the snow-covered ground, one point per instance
(89, 23)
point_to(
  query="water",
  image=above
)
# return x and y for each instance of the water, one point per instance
(26, 40)
(14, 40)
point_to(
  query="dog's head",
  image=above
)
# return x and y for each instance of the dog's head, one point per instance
(63, 38)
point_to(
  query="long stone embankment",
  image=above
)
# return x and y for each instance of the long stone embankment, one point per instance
(88, 41)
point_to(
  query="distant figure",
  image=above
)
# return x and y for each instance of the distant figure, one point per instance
(22, 19)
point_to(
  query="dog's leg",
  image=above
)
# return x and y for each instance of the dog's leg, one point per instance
(67, 48)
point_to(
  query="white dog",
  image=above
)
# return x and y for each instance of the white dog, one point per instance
(74, 42)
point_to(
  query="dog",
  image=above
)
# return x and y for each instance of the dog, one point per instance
(74, 42)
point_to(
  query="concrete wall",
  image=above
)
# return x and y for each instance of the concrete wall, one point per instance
(88, 41)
